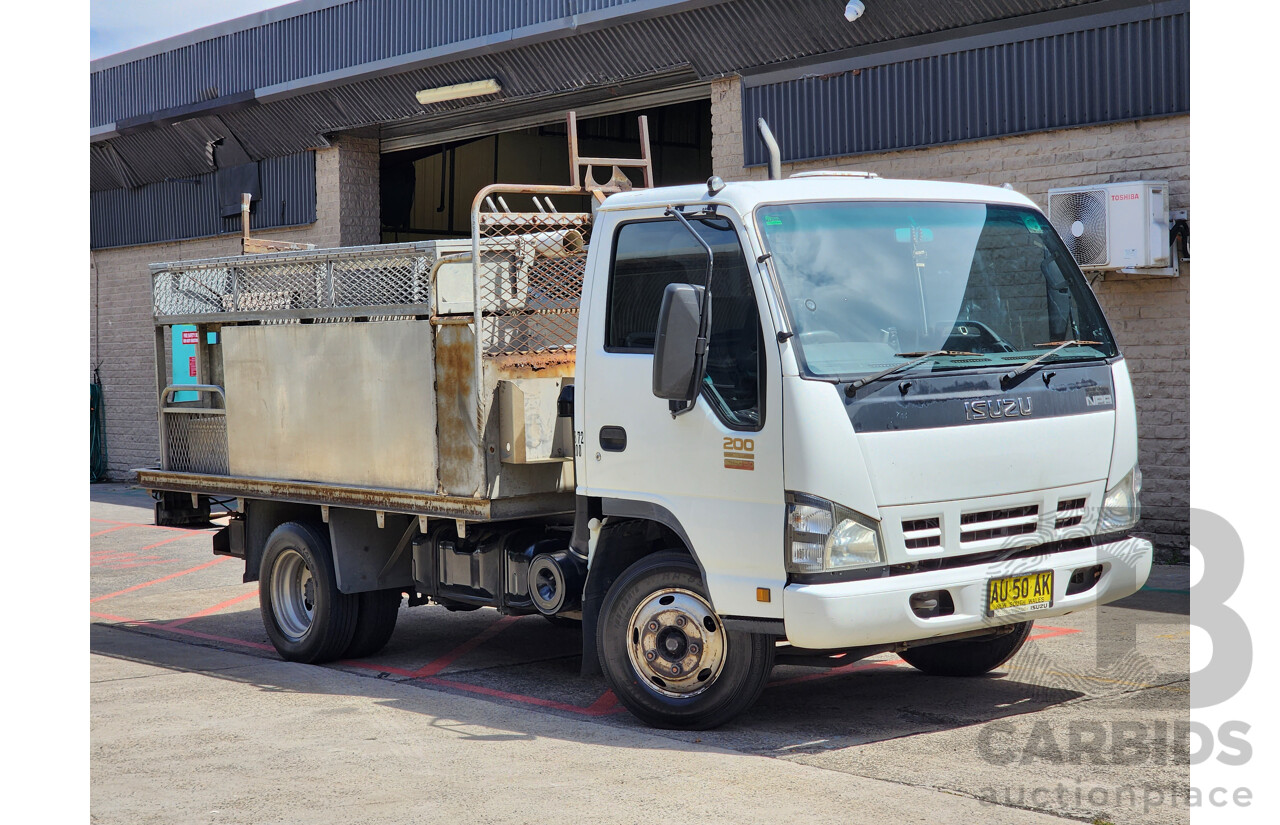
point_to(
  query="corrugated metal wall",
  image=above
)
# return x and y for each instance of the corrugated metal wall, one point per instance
(188, 208)
(1126, 71)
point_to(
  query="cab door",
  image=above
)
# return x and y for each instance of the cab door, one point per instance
(716, 471)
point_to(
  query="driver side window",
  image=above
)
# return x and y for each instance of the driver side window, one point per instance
(649, 255)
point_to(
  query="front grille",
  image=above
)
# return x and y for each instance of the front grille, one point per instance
(1070, 513)
(922, 533)
(985, 525)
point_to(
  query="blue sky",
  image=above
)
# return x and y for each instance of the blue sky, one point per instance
(116, 25)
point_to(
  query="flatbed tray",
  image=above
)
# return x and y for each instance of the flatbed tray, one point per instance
(409, 502)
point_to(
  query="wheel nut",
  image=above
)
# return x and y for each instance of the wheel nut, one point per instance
(680, 621)
(693, 649)
(653, 627)
(650, 656)
(675, 670)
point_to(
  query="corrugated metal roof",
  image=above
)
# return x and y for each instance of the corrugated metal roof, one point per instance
(712, 38)
(317, 41)
(188, 208)
(714, 35)
(1124, 71)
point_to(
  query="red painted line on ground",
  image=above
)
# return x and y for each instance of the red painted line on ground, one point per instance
(434, 667)
(208, 611)
(523, 698)
(111, 617)
(110, 530)
(111, 565)
(182, 631)
(218, 560)
(607, 703)
(225, 639)
(151, 526)
(157, 544)
(379, 668)
(1053, 631)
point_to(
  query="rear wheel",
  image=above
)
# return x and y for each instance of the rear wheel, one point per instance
(307, 618)
(376, 613)
(666, 654)
(967, 657)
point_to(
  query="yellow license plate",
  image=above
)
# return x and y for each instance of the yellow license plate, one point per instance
(1031, 591)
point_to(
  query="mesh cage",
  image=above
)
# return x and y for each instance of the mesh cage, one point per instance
(529, 280)
(387, 275)
(196, 442)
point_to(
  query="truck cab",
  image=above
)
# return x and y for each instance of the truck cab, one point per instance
(911, 424)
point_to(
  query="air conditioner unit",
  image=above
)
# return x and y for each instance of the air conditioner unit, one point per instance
(1115, 225)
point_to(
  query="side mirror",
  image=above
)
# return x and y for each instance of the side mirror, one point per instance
(677, 361)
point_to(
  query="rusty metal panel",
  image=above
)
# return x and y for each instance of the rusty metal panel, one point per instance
(350, 403)
(461, 453)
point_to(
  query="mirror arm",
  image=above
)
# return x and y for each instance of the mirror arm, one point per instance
(704, 335)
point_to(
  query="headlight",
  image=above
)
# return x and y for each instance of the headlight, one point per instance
(823, 536)
(1120, 508)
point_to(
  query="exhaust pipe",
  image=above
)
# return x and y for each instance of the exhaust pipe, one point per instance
(775, 156)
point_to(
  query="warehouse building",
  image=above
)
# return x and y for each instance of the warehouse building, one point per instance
(314, 108)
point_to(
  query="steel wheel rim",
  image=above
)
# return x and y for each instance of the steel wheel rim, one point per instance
(293, 595)
(676, 643)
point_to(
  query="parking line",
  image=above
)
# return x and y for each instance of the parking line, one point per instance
(182, 631)
(150, 526)
(1053, 631)
(208, 611)
(157, 544)
(225, 639)
(110, 530)
(434, 667)
(601, 707)
(218, 560)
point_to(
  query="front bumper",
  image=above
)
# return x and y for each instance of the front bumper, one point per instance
(878, 611)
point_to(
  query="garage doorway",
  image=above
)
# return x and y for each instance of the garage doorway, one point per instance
(427, 191)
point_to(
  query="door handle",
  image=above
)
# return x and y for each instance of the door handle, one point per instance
(613, 439)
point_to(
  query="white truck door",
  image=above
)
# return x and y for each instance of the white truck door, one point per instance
(716, 470)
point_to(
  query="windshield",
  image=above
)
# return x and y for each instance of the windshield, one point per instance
(870, 284)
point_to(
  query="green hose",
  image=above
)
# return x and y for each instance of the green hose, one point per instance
(97, 432)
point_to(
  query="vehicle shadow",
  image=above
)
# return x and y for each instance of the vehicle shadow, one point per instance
(803, 710)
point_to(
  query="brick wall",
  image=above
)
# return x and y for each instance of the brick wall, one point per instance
(1150, 316)
(121, 336)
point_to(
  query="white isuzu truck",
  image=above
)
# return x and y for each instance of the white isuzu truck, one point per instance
(721, 426)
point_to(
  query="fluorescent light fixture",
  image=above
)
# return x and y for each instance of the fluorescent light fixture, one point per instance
(854, 10)
(459, 90)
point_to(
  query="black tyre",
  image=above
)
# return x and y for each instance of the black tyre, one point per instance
(376, 613)
(967, 657)
(665, 653)
(307, 618)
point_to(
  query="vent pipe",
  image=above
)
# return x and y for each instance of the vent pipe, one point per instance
(775, 156)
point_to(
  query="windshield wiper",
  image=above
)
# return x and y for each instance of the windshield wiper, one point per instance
(916, 358)
(1058, 346)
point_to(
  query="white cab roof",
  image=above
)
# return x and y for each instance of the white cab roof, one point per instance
(745, 196)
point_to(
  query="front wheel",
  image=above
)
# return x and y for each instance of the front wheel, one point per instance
(967, 657)
(666, 654)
